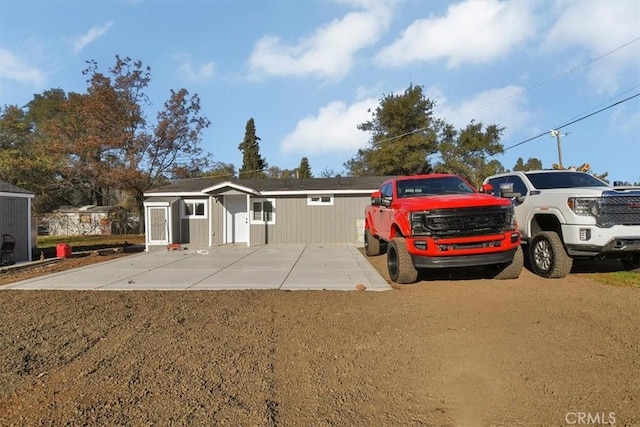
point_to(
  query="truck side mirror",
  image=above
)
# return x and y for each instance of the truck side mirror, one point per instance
(486, 188)
(506, 191)
(386, 201)
(376, 200)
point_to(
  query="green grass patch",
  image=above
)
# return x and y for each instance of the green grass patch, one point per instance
(618, 278)
(83, 241)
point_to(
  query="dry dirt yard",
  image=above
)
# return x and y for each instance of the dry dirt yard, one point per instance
(453, 349)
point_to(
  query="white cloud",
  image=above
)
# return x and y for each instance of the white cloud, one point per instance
(13, 67)
(328, 53)
(471, 32)
(597, 28)
(201, 73)
(504, 107)
(94, 33)
(332, 130)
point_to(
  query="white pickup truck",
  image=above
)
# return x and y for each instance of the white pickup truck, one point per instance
(565, 214)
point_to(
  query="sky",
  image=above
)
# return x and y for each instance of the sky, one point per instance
(308, 72)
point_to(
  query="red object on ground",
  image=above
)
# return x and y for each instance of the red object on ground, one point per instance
(63, 250)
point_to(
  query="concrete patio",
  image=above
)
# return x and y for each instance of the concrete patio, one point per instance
(285, 267)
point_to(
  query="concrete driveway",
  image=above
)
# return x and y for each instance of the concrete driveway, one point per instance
(286, 267)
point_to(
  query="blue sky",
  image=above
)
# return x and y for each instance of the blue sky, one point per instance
(309, 71)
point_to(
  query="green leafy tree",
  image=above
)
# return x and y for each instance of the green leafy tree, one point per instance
(532, 164)
(15, 144)
(253, 164)
(403, 135)
(328, 173)
(275, 172)
(26, 159)
(304, 170)
(221, 170)
(466, 152)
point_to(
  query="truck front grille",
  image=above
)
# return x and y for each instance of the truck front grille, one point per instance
(460, 222)
(620, 209)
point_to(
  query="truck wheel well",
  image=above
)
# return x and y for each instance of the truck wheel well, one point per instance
(545, 223)
(395, 232)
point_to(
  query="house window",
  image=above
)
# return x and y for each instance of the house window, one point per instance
(320, 200)
(195, 209)
(263, 211)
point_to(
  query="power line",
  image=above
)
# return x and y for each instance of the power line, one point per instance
(544, 82)
(573, 121)
(557, 128)
(526, 89)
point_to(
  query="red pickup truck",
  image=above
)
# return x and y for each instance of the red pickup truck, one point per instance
(440, 220)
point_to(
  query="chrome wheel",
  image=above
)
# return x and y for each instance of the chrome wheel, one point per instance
(548, 256)
(543, 255)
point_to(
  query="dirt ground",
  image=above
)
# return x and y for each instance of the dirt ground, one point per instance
(454, 349)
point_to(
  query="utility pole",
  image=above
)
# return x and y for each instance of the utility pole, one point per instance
(556, 133)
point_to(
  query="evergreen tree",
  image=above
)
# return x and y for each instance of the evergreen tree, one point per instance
(275, 172)
(328, 173)
(221, 170)
(304, 170)
(253, 165)
(467, 152)
(403, 134)
(532, 164)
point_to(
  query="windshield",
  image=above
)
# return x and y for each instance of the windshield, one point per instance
(432, 186)
(546, 181)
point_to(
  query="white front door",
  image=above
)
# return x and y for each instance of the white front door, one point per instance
(237, 218)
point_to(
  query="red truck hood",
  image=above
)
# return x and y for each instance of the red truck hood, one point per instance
(448, 201)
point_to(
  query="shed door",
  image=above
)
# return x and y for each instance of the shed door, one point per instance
(237, 218)
(158, 229)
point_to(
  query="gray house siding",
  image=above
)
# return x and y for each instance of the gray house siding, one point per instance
(176, 232)
(195, 231)
(296, 222)
(217, 226)
(15, 220)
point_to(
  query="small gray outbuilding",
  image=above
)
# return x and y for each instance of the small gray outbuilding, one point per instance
(206, 212)
(15, 219)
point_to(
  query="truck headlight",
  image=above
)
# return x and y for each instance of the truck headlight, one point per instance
(416, 219)
(586, 206)
(510, 218)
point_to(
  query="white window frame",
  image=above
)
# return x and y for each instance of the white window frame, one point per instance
(319, 201)
(185, 202)
(261, 220)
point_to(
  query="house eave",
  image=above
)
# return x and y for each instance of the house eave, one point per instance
(20, 195)
(176, 194)
(215, 189)
(304, 192)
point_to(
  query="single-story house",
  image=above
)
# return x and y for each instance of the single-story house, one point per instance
(206, 212)
(15, 220)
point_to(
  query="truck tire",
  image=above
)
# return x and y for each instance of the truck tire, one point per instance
(510, 270)
(371, 244)
(631, 263)
(399, 262)
(548, 256)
